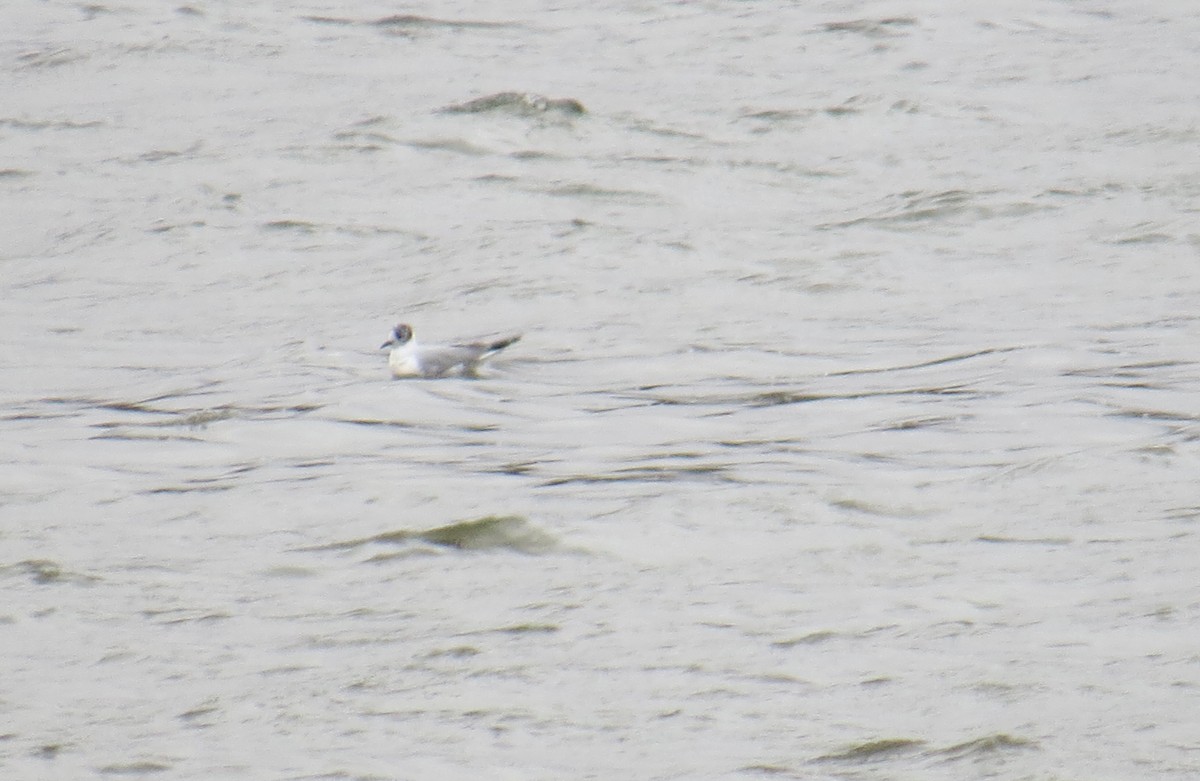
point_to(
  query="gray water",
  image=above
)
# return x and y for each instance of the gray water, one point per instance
(854, 434)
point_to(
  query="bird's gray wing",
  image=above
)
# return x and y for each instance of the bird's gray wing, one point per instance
(438, 361)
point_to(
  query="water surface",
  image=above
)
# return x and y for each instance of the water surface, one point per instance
(854, 432)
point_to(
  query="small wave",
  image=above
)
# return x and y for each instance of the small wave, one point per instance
(872, 28)
(912, 210)
(872, 750)
(1000, 539)
(50, 57)
(26, 124)
(777, 398)
(812, 638)
(407, 21)
(891, 748)
(134, 768)
(491, 532)
(503, 531)
(518, 103)
(291, 225)
(990, 744)
(650, 474)
(400, 24)
(43, 572)
(591, 191)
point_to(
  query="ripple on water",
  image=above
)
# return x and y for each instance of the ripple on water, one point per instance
(492, 532)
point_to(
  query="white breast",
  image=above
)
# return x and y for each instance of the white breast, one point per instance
(403, 361)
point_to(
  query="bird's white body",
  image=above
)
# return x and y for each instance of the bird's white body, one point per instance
(406, 358)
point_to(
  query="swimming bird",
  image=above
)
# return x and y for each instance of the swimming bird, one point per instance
(408, 359)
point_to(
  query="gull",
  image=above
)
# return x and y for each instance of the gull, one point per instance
(408, 359)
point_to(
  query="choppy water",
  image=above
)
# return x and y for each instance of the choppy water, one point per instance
(855, 432)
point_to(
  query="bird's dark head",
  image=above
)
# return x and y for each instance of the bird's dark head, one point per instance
(401, 334)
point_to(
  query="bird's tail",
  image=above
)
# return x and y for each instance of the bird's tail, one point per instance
(500, 344)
